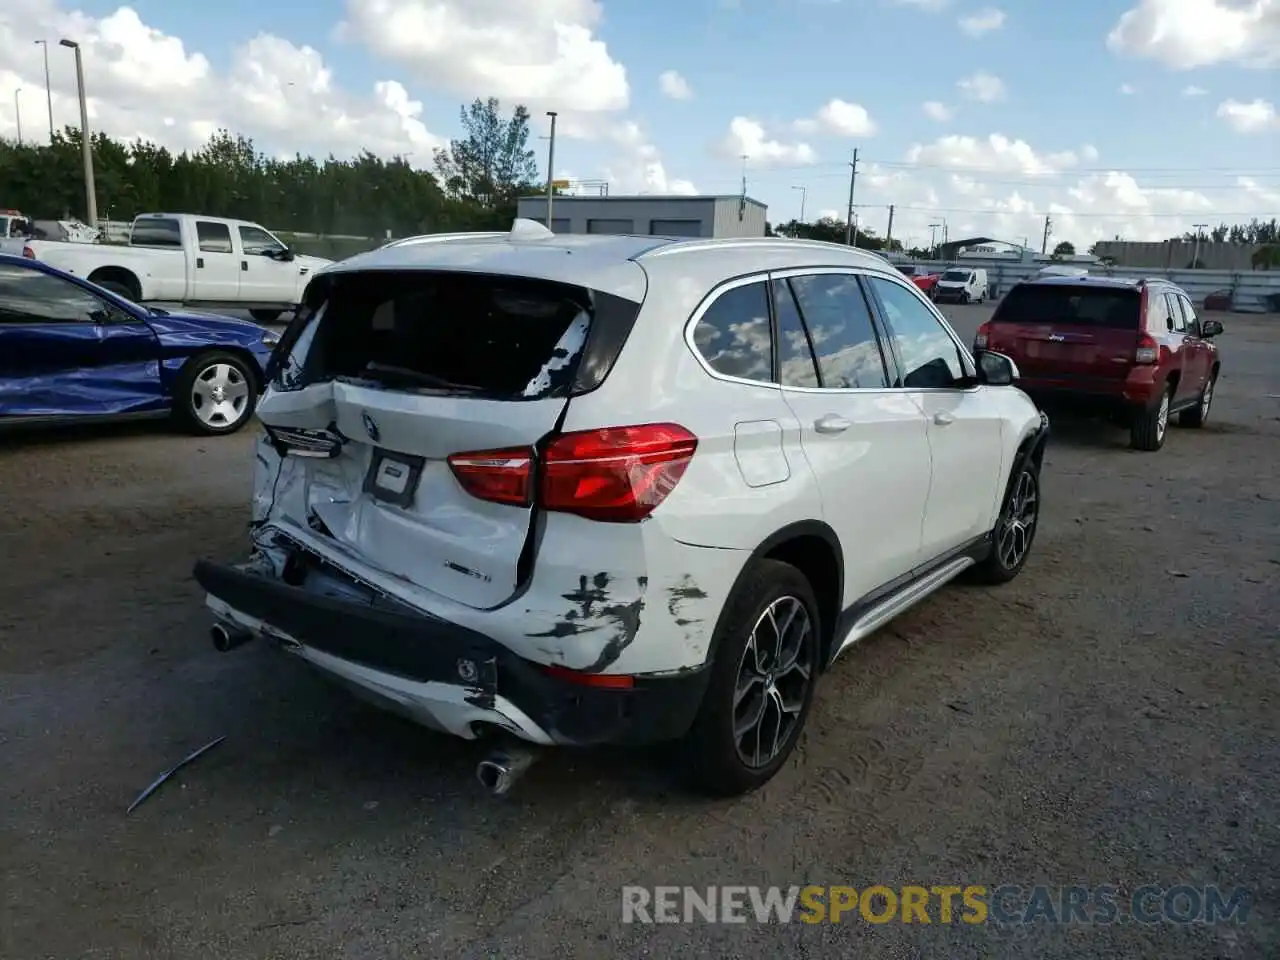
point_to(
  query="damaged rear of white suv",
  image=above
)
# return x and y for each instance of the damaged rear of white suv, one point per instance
(498, 493)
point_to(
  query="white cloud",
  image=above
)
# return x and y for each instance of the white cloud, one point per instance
(543, 54)
(638, 166)
(675, 86)
(839, 118)
(145, 84)
(1184, 34)
(1194, 91)
(982, 22)
(748, 138)
(1089, 153)
(935, 110)
(994, 153)
(982, 87)
(1255, 116)
(1255, 190)
(1127, 90)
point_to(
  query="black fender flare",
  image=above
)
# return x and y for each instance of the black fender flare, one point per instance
(792, 531)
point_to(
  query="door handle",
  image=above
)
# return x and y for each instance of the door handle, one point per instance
(943, 419)
(199, 263)
(832, 423)
(244, 264)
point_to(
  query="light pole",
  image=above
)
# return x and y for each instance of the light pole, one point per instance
(804, 195)
(551, 169)
(17, 112)
(86, 139)
(1195, 255)
(48, 87)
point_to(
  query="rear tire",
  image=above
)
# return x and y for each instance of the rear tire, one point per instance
(1197, 415)
(215, 393)
(768, 648)
(119, 289)
(1015, 529)
(1151, 424)
(265, 316)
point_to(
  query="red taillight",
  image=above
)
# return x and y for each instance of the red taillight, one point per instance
(981, 338)
(1147, 350)
(616, 474)
(606, 681)
(499, 476)
(28, 253)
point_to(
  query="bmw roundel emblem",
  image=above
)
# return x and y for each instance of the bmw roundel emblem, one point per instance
(370, 427)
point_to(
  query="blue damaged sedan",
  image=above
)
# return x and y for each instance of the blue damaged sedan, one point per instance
(72, 351)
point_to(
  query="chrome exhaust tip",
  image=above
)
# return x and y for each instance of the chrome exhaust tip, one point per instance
(228, 636)
(499, 771)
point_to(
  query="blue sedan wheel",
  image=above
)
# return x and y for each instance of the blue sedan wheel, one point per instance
(216, 393)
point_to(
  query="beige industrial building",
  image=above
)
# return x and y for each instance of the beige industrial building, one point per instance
(657, 216)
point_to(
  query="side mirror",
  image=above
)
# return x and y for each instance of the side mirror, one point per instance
(1210, 328)
(995, 369)
(285, 255)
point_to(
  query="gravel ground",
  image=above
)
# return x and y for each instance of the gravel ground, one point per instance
(1111, 717)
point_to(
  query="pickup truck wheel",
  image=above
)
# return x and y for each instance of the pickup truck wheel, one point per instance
(1151, 423)
(762, 683)
(265, 316)
(119, 289)
(215, 393)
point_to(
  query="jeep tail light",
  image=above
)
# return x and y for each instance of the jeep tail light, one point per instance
(499, 476)
(1148, 351)
(28, 253)
(615, 474)
(980, 338)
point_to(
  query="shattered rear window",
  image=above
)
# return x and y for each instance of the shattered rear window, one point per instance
(442, 333)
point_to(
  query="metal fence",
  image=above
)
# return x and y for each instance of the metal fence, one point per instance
(1250, 291)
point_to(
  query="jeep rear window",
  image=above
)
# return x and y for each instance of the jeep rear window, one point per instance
(443, 333)
(1070, 305)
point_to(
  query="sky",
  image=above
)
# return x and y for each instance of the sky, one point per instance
(1113, 118)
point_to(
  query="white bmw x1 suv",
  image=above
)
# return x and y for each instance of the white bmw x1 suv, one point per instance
(619, 489)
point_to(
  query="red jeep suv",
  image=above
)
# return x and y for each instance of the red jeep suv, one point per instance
(1131, 348)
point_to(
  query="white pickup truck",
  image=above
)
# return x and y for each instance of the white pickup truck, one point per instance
(196, 261)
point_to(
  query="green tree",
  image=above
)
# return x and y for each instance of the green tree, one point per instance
(492, 163)
(1065, 249)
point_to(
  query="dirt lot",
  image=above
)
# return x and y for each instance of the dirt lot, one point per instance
(1110, 717)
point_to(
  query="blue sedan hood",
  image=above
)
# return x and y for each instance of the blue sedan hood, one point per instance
(185, 329)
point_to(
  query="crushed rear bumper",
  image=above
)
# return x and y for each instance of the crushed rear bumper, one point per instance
(444, 675)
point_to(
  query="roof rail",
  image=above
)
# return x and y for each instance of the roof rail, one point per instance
(728, 243)
(445, 238)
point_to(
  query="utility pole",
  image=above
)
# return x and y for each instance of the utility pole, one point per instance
(86, 139)
(933, 239)
(1195, 256)
(17, 112)
(888, 234)
(853, 179)
(804, 194)
(1048, 229)
(551, 169)
(48, 88)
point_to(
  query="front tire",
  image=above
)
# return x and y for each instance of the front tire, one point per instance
(1151, 424)
(1015, 529)
(215, 393)
(768, 647)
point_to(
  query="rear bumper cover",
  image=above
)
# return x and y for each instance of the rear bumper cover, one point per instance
(447, 676)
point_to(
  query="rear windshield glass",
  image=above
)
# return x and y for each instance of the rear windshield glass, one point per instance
(496, 337)
(1070, 306)
(960, 276)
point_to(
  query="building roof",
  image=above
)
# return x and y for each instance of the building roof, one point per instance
(633, 197)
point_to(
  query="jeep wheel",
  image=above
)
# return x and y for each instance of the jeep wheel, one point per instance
(767, 646)
(1197, 415)
(1150, 424)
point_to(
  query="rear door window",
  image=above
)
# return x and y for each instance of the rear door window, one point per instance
(734, 336)
(1060, 304)
(796, 365)
(497, 338)
(841, 331)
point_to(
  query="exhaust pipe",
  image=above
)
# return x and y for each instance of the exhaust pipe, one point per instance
(228, 636)
(499, 771)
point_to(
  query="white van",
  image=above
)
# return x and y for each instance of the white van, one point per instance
(961, 285)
